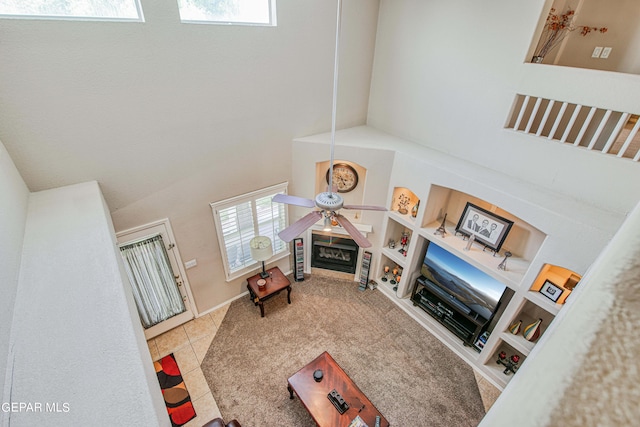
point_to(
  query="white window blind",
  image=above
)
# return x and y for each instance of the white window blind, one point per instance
(240, 219)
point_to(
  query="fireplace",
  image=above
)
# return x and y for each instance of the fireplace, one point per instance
(334, 253)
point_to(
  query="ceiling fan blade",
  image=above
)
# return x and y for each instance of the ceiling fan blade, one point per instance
(293, 200)
(289, 233)
(365, 207)
(353, 231)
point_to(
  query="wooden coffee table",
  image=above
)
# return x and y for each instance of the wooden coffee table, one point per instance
(275, 283)
(313, 395)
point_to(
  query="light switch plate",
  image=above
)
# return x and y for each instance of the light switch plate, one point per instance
(190, 263)
(596, 52)
(605, 53)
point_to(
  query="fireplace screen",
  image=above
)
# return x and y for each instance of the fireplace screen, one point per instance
(334, 253)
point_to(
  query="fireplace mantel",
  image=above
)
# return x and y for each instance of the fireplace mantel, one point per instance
(363, 228)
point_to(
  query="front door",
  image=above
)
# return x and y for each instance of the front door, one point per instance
(159, 284)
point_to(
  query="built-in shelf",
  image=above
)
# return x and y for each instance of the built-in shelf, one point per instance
(407, 220)
(520, 302)
(541, 301)
(518, 342)
(496, 371)
(405, 202)
(528, 313)
(486, 260)
(394, 256)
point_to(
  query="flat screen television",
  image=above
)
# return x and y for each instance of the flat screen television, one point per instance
(463, 282)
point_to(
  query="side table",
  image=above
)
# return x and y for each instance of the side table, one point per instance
(275, 283)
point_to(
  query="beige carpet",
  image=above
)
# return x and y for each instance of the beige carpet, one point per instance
(412, 378)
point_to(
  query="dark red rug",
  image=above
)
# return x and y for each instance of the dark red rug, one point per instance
(175, 393)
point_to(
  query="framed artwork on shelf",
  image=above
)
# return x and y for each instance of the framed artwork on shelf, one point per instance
(487, 228)
(551, 291)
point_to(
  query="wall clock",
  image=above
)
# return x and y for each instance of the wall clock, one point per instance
(345, 177)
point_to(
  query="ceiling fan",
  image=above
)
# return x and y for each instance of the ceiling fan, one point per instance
(329, 202)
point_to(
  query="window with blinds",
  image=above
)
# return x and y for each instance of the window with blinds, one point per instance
(240, 219)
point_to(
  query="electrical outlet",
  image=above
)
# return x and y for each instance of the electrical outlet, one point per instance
(605, 53)
(596, 52)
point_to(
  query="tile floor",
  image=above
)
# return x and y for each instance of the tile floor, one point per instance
(189, 344)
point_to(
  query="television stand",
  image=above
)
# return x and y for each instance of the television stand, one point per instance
(451, 313)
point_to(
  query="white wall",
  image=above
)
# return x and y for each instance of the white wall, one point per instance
(76, 337)
(14, 198)
(271, 88)
(446, 75)
(139, 106)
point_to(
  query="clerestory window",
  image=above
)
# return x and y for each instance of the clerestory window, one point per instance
(117, 10)
(248, 12)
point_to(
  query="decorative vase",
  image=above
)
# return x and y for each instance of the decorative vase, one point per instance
(532, 331)
(414, 209)
(515, 328)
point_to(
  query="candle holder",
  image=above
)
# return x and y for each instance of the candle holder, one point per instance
(503, 264)
(472, 238)
(386, 274)
(511, 364)
(394, 273)
(395, 288)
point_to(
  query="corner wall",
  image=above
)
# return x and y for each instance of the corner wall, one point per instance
(76, 344)
(14, 198)
(586, 372)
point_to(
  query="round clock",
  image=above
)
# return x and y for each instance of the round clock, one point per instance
(345, 177)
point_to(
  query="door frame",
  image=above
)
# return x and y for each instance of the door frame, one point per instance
(163, 226)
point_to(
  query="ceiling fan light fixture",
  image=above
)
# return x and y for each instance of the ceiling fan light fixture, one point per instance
(327, 223)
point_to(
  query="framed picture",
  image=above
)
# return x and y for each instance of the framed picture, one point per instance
(487, 228)
(551, 291)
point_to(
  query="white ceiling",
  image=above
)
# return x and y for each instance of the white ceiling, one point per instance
(137, 106)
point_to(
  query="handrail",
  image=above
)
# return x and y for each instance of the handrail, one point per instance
(593, 128)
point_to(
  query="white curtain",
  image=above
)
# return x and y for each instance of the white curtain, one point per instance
(154, 286)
